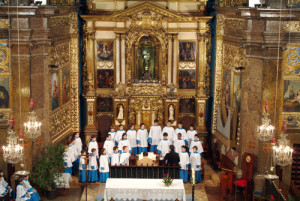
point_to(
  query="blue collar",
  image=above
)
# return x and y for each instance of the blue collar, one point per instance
(142, 129)
(168, 126)
(92, 141)
(179, 139)
(196, 140)
(165, 139)
(91, 154)
(120, 130)
(124, 139)
(76, 137)
(192, 130)
(123, 152)
(111, 132)
(183, 152)
(155, 125)
(104, 154)
(196, 152)
(65, 151)
(115, 153)
(25, 179)
(20, 184)
(69, 146)
(108, 140)
(131, 129)
(180, 128)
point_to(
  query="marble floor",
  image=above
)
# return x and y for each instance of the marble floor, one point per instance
(77, 192)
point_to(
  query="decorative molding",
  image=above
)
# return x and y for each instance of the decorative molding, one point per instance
(59, 21)
(187, 66)
(105, 65)
(90, 112)
(62, 2)
(4, 57)
(156, 90)
(4, 23)
(60, 54)
(236, 24)
(61, 121)
(292, 26)
(233, 56)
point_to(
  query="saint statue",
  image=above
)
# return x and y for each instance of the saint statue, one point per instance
(146, 58)
(121, 113)
(171, 113)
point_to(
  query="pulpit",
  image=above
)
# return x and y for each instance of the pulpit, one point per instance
(246, 182)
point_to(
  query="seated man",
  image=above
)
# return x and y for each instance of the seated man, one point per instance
(172, 158)
(145, 161)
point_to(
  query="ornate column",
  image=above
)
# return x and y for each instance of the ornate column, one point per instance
(175, 58)
(202, 40)
(117, 58)
(200, 114)
(169, 59)
(90, 128)
(123, 58)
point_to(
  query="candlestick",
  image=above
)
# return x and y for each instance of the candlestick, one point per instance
(267, 107)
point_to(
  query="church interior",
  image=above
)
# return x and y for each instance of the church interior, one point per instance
(80, 77)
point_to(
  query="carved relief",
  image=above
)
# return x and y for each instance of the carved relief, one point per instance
(186, 65)
(90, 111)
(236, 24)
(60, 54)
(146, 90)
(105, 65)
(59, 21)
(61, 121)
(62, 2)
(233, 56)
(4, 23)
(4, 58)
(292, 26)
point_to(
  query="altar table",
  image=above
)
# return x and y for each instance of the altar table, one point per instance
(145, 189)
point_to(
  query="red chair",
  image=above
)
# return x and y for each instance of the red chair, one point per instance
(246, 182)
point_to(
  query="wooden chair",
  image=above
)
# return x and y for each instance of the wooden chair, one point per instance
(246, 182)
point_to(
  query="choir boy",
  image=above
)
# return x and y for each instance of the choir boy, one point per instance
(197, 142)
(124, 142)
(190, 134)
(115, 160)
(184, 164)
(124, 158)
(131, 135)
(163, 145)
(22, 194)
(195, 159)
(31, 191)
(119, 133)
(112, 133)
(4, 187)
(67, 161)
(109, 146)
(142, 139)
(78, 144)
(76, 154)
(170, 130)
(82, 169)
(92, 167)
(182, 131)
(154, 136)
(93, 145)
(178, 143)
(103, 167)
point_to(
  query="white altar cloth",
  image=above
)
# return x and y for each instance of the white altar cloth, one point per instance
(145, 189)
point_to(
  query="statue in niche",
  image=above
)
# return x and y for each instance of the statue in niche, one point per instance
(146, 62)
(121, 113)
(171, 113)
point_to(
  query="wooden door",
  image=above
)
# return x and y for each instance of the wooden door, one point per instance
(104, 124)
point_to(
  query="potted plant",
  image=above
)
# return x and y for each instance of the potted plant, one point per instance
(167, 180)
(49, 167)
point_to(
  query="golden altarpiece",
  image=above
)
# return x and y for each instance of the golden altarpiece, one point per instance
(145, 61)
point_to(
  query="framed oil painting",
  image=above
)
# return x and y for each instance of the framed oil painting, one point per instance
(4, 57)
(187, 51)
(187, 105)
(105, 50)
(187, 79)
(292, 122)
(105, 104)
(105, 78)
(4, 93)
(54, 90)
(291, 96)
(65, 85)
(226, 88)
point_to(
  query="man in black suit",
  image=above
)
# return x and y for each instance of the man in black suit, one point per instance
(172, 158)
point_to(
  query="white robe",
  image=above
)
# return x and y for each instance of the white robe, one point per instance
(3, 186)
(178, 144)
(155, 133)
(21, 191)
(118, 135)
(109, 146)
(142, 136)
(115, 159)
(71, 154)
(171, 132)
(75, 151)
(124, 158)
(190, 135)
(123, 143)
(2, 190)
(131, 136)
(195, 160)
(184, 160)
(103, 167)
(26, 185)
(183, 134)
(93, 144)
(197, 144)
(112, 134)
(82, 162)
(67, 159)
(78, 145)
(93, 162)
(163, 146)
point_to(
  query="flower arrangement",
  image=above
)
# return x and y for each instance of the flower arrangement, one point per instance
(167, 180)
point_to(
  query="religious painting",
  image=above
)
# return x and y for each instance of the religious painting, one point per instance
(292, 122)
(187, 51)
(187, 105)
(293, 3)
(291, 96)
(105, 50)
(237, 91)
(54, 91)
(292, 61)
(105, 104)
(105, 78)
(65, 85)
(226, 88)
(187, 79)
(4, 58)
(4, 92)
(146, 61)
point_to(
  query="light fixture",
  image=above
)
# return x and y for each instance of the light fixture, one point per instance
(32, 128)
(265, 132)
(282, 153)
(13, 152)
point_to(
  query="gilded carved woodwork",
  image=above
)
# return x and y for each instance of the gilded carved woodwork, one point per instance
(60, 54)
(187, 66)
(59, 21)
(62, 2)
(233, 56)
(4, 58)
(4, 23)
(236, 24)
(292, 26)
(84, 73)
(105, 65)
(229, 3)
(141, 89)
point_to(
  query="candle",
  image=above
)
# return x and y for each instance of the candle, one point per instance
(21, 135)
(193, 176)
(267, 107)
(31, 104)
(11, 124)
(284, 126)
